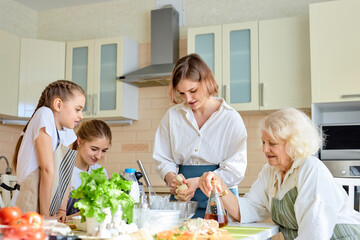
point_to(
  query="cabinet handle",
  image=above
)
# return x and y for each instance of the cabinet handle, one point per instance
(88, 105)
(94, 104)
(350, 96)
(224, 92)
(262, 94)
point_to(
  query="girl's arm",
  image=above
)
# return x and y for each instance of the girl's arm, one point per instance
(43, 148)
(61, 214)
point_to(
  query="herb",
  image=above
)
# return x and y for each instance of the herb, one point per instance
(97, 193)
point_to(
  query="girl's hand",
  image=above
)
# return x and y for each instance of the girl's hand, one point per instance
(193, 184)
(170, 178)
(205, 183)
(61, 216)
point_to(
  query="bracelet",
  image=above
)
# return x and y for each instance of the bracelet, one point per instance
(63, 210)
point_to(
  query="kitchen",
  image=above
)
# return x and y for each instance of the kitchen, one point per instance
(132, 142)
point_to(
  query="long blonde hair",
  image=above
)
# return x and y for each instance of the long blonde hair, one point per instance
(62, 89)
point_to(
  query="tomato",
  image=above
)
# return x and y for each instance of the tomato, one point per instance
(7, 214)
(36, 234)
(18, 228)
(33, 218)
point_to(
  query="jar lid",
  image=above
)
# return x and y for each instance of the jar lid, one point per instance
(129, 170)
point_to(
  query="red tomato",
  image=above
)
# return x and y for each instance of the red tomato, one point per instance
(7, 214)
(18, 228)
(36, 234)
(33, 218)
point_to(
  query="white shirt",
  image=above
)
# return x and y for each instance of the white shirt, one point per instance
(76, 180)
(321, 202)
(27, 158)
(221, 140)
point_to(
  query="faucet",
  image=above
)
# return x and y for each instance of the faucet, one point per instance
(8, 169)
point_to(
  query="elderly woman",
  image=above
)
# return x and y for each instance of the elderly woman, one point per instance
(294, 188)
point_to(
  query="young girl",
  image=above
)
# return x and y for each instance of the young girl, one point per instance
(94, 139)
(42, 162)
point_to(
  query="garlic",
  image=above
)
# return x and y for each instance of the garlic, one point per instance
(183, 187)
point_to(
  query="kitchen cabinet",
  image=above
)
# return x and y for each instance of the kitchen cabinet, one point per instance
(41, 62)
(284, 63)
(335, 51)
(9, 72)
(259, 65)
(94, 65)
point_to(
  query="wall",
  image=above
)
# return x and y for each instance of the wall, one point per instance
(132, 18)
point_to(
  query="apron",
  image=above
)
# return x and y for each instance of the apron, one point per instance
(28, 197)
(283, 214)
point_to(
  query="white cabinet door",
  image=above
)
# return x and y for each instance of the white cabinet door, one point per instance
(335, 51)
(9, 73)
(41, 62)
(207, 42)
(284, 63)
(240, 65)
(94, 65)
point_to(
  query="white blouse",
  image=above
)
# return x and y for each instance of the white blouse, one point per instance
(320, 205)
(221, 140)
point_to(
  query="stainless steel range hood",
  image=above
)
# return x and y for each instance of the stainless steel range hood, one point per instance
(164, 50)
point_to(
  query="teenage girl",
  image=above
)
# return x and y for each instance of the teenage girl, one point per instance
(94, 139)
(42, 162)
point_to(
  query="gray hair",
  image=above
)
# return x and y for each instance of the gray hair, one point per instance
(302, 137)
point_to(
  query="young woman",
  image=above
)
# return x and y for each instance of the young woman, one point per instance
(42, 161)
(94, 139)
(200, 133)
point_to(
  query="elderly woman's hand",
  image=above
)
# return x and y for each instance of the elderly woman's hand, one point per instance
(205, 183)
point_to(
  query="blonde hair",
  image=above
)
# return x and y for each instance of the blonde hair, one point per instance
(194, 68)
(90, 129)
(62, 89)
(302, 137)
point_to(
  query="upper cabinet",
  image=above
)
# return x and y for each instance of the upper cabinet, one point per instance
(94, 65)
(284, 63)
(258, 65)
(9, 73)
(335, 51)
(41, 62)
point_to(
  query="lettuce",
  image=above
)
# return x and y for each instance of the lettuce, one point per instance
(96, 193)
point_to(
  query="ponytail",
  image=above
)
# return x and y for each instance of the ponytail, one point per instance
(62, 89)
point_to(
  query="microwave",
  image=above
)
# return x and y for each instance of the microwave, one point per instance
(342, 142)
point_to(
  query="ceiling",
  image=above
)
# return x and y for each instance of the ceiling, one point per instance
(41, 5)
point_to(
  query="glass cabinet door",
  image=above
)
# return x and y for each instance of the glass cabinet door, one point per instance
(240, 65)
(79, 69)
(108, 57)
(206, 41)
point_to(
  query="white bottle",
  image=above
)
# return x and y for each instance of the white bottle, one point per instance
(134, 191)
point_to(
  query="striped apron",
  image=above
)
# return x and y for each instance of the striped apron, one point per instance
(283, 214)
(64, 162)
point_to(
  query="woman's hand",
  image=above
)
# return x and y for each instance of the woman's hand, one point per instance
(170, 178)
(205, 183)
(193, 184)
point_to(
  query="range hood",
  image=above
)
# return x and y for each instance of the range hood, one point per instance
(164, 50)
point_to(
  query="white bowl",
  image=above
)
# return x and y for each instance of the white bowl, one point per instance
(79, 225)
